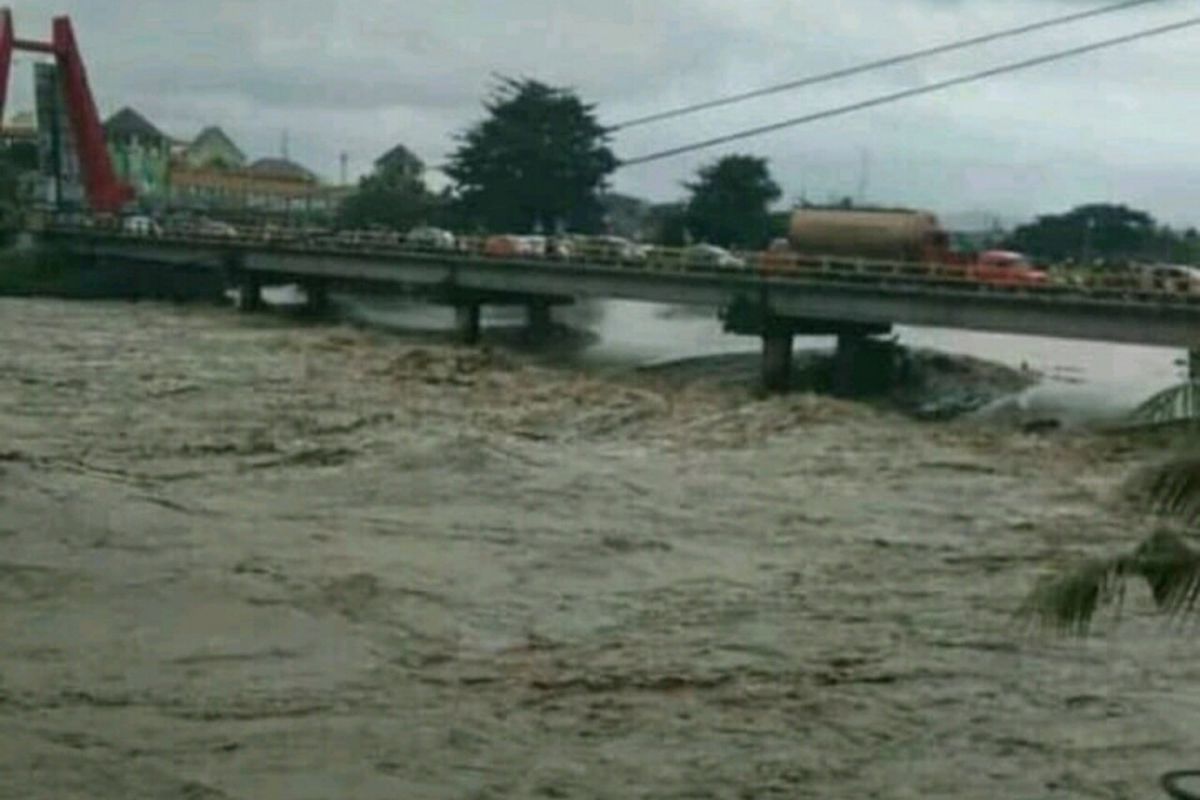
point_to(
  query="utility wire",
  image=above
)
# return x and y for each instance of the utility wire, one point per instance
(896, 96)
(874, 65)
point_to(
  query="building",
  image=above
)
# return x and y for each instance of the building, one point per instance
(210, 173)
(212, 149)
(60, 176)
(141, 155)
(269, 186)
(20, 130)
(19, 147)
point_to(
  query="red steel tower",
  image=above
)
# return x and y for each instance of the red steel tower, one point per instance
(105, 193)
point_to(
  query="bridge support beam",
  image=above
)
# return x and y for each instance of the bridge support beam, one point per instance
(539, 321)
(466, 319)
(777, 360)
(1194, 364)
(249, 293)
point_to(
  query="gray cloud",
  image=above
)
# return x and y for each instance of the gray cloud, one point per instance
(360, 75)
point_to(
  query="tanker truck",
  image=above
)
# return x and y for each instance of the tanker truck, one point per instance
(894, 236)
(879, 235)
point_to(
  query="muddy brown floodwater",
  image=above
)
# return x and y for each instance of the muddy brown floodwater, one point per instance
(248, 558)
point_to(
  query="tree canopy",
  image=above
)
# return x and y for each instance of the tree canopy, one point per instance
(539, 160)
(1088, 233)
(394, 195)
(730, 202)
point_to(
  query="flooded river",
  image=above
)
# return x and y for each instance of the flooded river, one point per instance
(1081, 381)
(251, 557)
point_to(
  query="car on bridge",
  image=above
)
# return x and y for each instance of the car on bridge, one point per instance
(1173, 278)
(709, 255)
(141, 225)
(610, 249)
(1005, 268)
(510, 246)
(216, 228)
(427, 237)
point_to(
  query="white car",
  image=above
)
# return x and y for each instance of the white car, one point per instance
(709, 255)
(429, 238)
(533, 245)
(215, 227)
(614, 248)
(1173, 278)
(141, 225)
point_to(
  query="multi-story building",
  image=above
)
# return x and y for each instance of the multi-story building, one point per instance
(269, 186)
(141, 155)
(211, 174)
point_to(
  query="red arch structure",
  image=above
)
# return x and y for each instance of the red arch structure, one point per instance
(104, 191)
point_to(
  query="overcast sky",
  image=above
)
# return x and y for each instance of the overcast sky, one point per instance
(361, 75)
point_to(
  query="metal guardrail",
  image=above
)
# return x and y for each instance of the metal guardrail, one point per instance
(1075, 284)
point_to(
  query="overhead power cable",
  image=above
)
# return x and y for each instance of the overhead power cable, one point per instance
(907, 93)
(870, 66)
(837, 74)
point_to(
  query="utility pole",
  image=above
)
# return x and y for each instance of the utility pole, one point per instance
(864, 174)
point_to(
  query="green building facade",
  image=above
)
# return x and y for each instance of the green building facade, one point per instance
(141, 156)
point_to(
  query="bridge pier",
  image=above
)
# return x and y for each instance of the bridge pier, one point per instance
(249, 293)
(316, 297)
(777, 360)
(1194, 364)
(863, 365)
(539, 321)
(466, 320)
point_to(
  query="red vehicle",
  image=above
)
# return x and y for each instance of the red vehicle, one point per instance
(508, 246)
(1006, 268)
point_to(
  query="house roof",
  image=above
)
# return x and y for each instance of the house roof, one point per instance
(127, 123)
(282, 168)
(213, 134)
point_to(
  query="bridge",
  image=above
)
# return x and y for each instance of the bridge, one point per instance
(764, 296)
(772, 296)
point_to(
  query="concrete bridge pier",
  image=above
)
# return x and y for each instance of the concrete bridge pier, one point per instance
(539, 320)
(316, 297)
(466, 321)
(1194, 364)
(777, 360)
(848, 365)
(864, 365)
(249, 293)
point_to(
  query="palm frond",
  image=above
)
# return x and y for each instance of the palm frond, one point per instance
(1067, 604)
(1172, 570)
(1170, 489)
(1179, 404)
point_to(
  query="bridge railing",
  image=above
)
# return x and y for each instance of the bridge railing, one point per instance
(610, 253)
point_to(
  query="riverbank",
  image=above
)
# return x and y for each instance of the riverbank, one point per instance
(249, 559)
